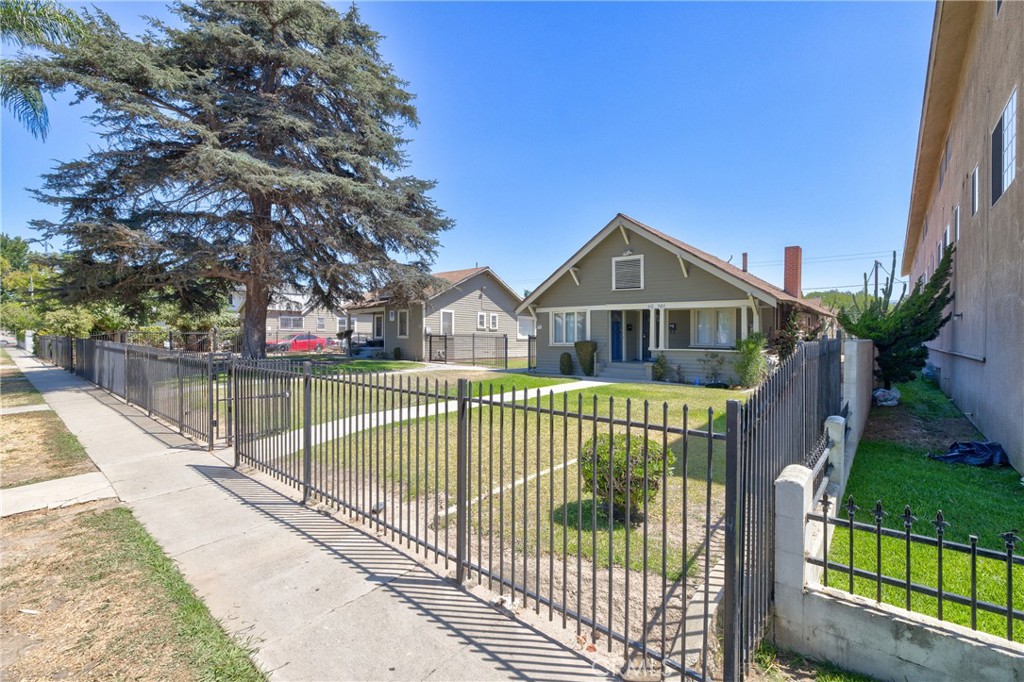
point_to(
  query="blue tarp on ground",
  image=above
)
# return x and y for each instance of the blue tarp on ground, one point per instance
(975, 453)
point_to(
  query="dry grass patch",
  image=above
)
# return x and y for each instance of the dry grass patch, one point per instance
(37, 446)
(15, 390)
(85, 592)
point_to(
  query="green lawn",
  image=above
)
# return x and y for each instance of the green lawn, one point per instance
(975, 501)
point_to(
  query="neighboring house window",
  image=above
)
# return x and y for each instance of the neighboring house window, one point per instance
(342, 324)
(321, 323)
(974, 191)
(524, 327)
(956, 224)
(403, 324)
(481, 320)
(494, 321)
(290, 322)
(568, 327)
(1004, 149)
(714, 327)
(945, 237)
(627, 273)
(447, 322)
(378, 326)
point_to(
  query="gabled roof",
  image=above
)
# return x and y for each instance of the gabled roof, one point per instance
(751, 284)
(453, 277)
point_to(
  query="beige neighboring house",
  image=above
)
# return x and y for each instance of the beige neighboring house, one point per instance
(477, 311)
(640, 293)
(290, 312)
(968, 190)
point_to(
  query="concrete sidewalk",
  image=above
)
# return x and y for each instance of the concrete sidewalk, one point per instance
(317, 599)
(56, 493)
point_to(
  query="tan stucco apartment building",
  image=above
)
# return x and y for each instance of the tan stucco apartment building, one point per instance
(968, 189)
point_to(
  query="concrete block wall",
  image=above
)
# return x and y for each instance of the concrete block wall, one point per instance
(860, 634)
(858, 382)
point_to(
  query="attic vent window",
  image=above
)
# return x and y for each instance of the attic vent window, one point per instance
(627, 273)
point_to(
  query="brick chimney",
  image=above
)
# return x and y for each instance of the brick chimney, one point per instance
(794, 267)
(744, 261)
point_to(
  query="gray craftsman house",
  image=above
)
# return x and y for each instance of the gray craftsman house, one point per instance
(472, 319)
(640, 293)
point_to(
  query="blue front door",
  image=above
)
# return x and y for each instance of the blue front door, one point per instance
(616, 337)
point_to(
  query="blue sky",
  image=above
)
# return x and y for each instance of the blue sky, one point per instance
(732, 126)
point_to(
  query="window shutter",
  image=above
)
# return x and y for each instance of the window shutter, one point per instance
(628, 274)
(997, 161)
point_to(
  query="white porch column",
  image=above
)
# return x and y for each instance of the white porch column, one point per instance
(663, 339)
(743, 323)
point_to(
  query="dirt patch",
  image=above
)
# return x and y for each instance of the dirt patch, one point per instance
(36, 446)
(900, 425)
(72, 608)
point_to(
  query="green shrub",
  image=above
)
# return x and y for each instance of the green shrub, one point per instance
(711, 363)
(565, 364)
(586, 351)
(660, 370)
(751, 366)
(397, 353)
(625, 475)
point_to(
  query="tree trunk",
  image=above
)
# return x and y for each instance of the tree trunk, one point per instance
(254, 324)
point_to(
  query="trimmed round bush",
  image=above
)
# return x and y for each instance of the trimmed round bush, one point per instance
(586, 352)
(565, 364)
(627, 473)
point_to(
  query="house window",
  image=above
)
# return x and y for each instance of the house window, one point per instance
(378, 326)
(568, 327)
(481, 320)
(494, 322)
(974, 191)
(627, 273)
(956, 224)
(944, 164)
(945, 237)
(447, 322)
(403, 324)
(524, 327)
(321, 324)
(342, 324)
(714, 327)
(290, 322)
(1004, 149)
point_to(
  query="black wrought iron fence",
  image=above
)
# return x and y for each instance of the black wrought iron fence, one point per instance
(515, 489)
(921, 573)
(780, 424)
(58, 350)
(483, 350)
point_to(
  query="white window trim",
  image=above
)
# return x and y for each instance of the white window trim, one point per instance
(551, 325)
(493, 322)
(1009, 161)
(373, 330)
(398, 324)
(956, 223)
(441, 314)
(481, 320)
(321, 323)
(520, 337)
(714, 328)
(291, 322)
(975, 196)
(638, 256)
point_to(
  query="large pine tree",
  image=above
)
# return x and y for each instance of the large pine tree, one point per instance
(259, 144)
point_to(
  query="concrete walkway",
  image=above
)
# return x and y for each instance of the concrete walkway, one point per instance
(21, 409)
(60, 492)
(317, 599)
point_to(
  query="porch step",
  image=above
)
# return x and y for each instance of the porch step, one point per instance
(634, 371)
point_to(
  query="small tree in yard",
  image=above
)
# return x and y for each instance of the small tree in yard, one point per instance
(259, 145)
(899, 330)
(619, 475)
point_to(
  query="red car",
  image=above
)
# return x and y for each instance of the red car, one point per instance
(297, 342)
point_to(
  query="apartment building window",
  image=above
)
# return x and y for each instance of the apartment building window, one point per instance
(974, 191)
(1004, 149)
(956, 223)
(945, 237)
(944, 163)
(403, 324)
